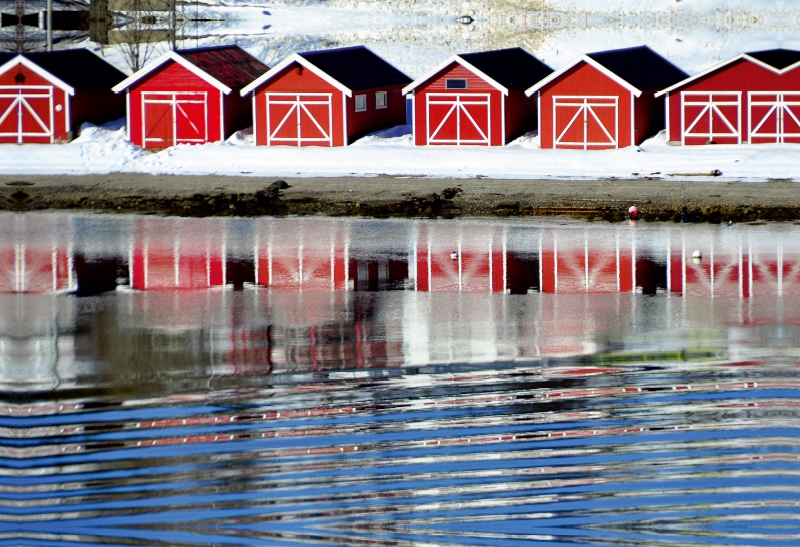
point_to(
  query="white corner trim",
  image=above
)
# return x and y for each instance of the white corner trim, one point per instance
(454, 59)
(589, 61)
(302, 61)
(36, 69)
(175, 57)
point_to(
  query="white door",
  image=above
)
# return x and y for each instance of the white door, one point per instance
(26, 111)
(299, 119)
(774, 117)
(459, 118)
(711, 117)
(584, 122)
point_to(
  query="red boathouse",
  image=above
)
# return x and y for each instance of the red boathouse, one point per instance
(604, 100)
(476, 98)
(190, 96)
(326, 98)
(46, 96)
(751, 98)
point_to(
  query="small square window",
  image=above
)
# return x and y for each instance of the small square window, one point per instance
(460, 83)
(380, 99)
(361, 103)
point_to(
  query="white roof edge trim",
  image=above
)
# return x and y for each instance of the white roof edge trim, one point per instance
(170, 56)
(302, 61)
(33, 67)
(591, 62)
(723, 64)
(454, 59)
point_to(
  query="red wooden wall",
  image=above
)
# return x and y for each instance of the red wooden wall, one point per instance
(475, 84)
(584, 80)
(373, 119)
(172, 77)
(741, 75)
(296, 79)
(22, 76)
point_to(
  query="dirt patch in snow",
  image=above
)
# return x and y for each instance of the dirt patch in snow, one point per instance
(385, 196)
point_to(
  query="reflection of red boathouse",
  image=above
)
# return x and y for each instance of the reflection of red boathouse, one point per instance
(35, 259)
(177, 253)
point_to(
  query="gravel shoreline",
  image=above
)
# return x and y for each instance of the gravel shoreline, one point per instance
(387, 196)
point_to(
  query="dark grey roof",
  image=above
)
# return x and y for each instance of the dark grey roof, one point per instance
(641, 67)
(231, 65)
(777, 58)
(356, 67)
(513, 68)
(79, 68)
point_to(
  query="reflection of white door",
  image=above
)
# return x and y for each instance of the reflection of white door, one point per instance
(170, 118)
(300, 119)
(585, 122)
(458, 118)
(26, 111)
(711, 117)
(774, 117)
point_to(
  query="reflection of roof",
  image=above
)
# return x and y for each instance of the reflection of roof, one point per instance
(513, 68)
(640, 66)
(356, 67)
(231, 65)
(776, 58)
(80, 68)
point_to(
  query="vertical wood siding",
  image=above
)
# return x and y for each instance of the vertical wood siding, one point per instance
(585, 80)
(172, 77)
(742, 77)
(437, 84)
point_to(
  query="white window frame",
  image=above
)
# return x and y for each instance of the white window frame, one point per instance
(448, 80)
(17, 94)
(780, 105)
(298, 102)
(170, 98)
(457, 101)
(379, 104)
(361, 99)
(692, 98)
(585, 106)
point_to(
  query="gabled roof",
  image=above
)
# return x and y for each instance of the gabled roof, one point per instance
(224, 67)
(778, 61)
(513, 68)
(231, 65)
(30, 65)
(347, 69)
(637, 69)
(503, 69)
(77, 68)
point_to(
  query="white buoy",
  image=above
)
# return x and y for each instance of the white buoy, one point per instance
(697, 257)
(454, 255)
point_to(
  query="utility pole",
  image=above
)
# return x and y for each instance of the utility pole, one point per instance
(49, 25)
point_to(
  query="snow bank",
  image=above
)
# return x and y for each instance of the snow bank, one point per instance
(105, 149)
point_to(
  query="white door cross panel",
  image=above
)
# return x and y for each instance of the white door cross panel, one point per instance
(170, 118)
(465, 118)
(709, 115)
(585, 122)
(18, 115)
(774, 116)
(299, 118)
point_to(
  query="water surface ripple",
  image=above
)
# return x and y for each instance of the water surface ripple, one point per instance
(446, 416)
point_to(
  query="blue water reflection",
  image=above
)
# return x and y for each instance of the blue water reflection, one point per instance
(336, 382)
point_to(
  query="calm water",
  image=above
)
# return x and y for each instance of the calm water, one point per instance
(307, 381)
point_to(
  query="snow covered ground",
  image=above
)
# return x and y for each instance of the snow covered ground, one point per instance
(105, 149)
(416, 35)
